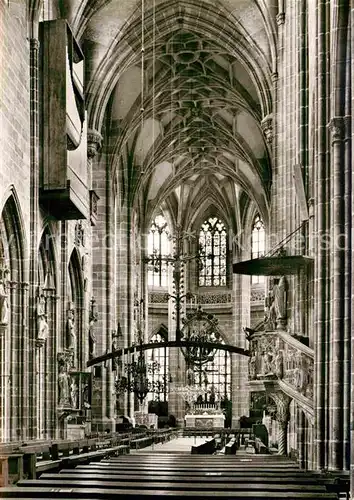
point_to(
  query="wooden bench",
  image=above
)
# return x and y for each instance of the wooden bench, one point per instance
(142, 477)
(206, 448)
(100, 493)
(154, 475)
(199, 486)
(231, 447)
(143, 442)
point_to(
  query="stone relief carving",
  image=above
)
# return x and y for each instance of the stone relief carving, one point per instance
(273, 358)
(158, 297)
(64, 364)
(282, 402)
(257, 295)
(204, 298)
(79, 234)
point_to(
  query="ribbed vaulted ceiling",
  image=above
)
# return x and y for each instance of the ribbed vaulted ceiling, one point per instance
(206, 81)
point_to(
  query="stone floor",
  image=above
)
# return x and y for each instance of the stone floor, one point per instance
(178, 445)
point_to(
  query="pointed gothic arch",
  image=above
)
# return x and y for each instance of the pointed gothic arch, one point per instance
(75, 309)
(46, 314)
(13, 332)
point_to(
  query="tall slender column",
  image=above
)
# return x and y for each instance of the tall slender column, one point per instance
(348, 265)
(321, 179)
(336, 127)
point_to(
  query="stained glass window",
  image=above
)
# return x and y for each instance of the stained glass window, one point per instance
(157, 367)
(258, 244)
(214, 377)
(158, 248)
(213, 253)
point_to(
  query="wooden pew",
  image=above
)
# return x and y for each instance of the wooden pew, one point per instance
(180, 477)
(21, 493)
(142, 477)
(200, 486)
(231, 447)
(142, 442)
(207, 448)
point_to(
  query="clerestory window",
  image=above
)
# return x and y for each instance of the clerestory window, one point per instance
(258, 244)
(158, 249)
(213, 253)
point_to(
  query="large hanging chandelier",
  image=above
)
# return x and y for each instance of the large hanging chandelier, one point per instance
(133, 377)
(199, 331)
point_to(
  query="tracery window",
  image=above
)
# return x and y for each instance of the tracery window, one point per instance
(214, 378)
(157, 367)
(213, 253)
(158, 249)
(258, 244)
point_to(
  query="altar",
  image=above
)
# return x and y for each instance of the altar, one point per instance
(205, 416)
(205, 421)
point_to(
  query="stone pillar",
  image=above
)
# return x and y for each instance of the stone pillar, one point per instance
(301, 438)
(347, 294)
(102, 243)
(176, 403)
(321, 209)
(335, 461)
(29, 391)
(282, 402)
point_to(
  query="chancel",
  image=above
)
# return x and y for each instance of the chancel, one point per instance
(176, 211)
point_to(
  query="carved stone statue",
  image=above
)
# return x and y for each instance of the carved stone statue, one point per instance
(276, 306)
(116, 361)
(92, 336)
(252, 368)
(268, 363)
(70, 332)
(4, 296)
(278, 364)
(42, 324)
(74, 393)
(63, 385)
(86, 396)
(280, 303)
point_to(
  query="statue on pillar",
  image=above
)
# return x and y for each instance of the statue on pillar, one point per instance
(63, 386)
(74, 393)
(276, 306)
(92, 337)
(4, 293)
(280, 303)
(42, 323)
(71, 340)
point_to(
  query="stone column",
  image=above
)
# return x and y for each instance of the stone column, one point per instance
(282, 402)
(321, 209)
(301, 438)
(29, 392)
(335, 462)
